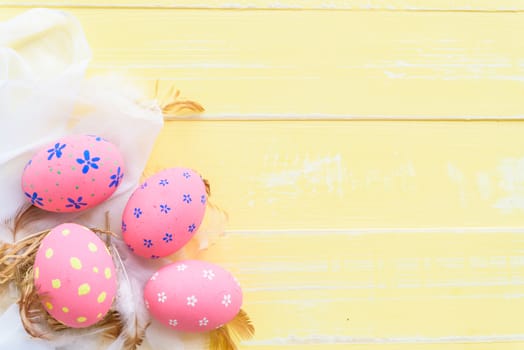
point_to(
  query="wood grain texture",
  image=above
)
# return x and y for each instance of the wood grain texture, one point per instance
(379, 289)
(361, 235)
(343, 176)
(368, 234)
(318, 64)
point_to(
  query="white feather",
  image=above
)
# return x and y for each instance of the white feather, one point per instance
(130, 301)
(159, 337)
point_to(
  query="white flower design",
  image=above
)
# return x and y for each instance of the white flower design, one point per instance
(147, 304)
(209, 274)
(227, 300)
(173, 323)
(154, 276)
(191, 301)
(162, 297)
(181, 267)
(203, 322)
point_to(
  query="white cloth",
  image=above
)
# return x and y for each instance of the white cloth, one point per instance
(44, 95)
(14, 335)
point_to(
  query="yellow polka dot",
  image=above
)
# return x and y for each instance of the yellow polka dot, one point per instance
(56, 283)
(75, 263)
(84, 289)
(99, 315)
(92, 247)
(81, 319)
(102, 297)
(37, 272)
(65, 309)
(95, 269)
(49, 306)
(107, 272)
(66, 232)
(49, 253)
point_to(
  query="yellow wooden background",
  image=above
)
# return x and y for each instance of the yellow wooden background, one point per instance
(370, 154)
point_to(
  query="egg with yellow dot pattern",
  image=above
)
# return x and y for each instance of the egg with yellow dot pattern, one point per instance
(74, 276)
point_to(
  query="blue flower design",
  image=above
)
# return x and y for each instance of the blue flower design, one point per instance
(131, 248)
(148, 243)
(187, 198)
(77, 204)
(203, 199)
(168, 237)
(186, 174)
(144, 185)
(163, 182)
(124, 226)
(155, 257)
(191, 228)
(137, 212)
(97, 138)
(116, 178)
(55, 151)
(164, 208)
(88, 162)
(35, 199)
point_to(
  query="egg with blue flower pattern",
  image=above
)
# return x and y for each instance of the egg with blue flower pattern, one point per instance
(74, 173)
(164, 213)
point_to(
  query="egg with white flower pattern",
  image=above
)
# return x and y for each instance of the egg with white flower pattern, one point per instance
(74, 173)
(193, 296)
(164, 213)
(74, 276)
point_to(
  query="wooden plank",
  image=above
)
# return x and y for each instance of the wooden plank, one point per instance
(318, 64)
(358, 175)
(379, 289)
(349, 235)
(389, 5)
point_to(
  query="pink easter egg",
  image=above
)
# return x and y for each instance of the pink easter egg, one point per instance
(193, 296)
(164, 213)
(74, 275)
(74, 173)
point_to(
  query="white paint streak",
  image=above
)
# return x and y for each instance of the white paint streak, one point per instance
(484, 185)
(201, 65)
(371, 286)
(511, 171)
(456, 175)
(518, 282)
(326, 172)
(287, 267)
(337, 339)
(394, 75)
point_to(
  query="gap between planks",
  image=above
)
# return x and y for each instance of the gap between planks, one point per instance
(333, 339)
(279, 6)
(334, 117)
(380, 230)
